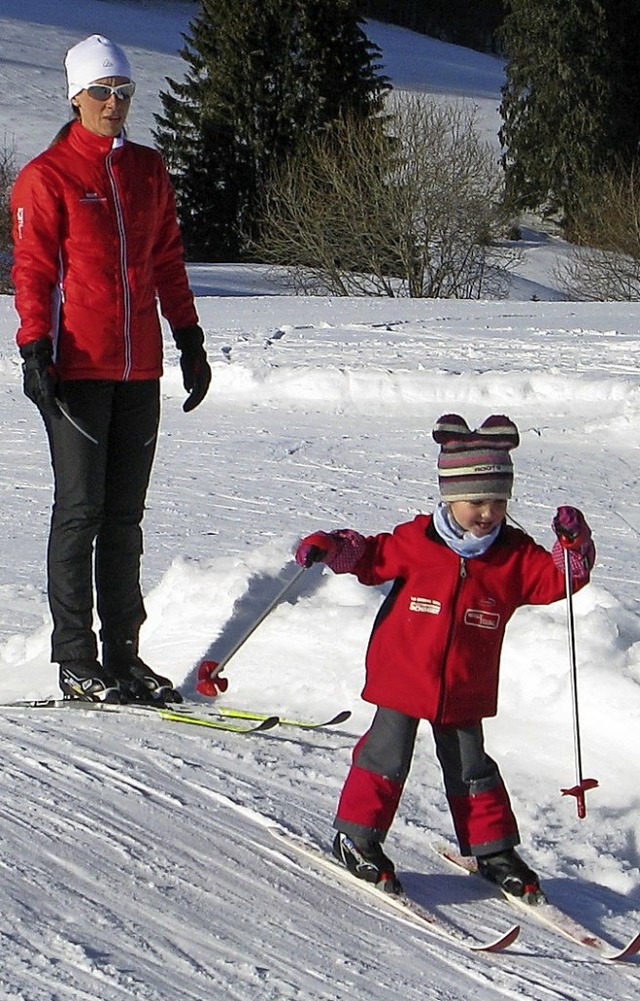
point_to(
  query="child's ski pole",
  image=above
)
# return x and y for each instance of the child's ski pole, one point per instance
(210, 669)
(582, 784)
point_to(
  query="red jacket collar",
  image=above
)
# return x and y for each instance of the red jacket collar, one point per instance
(90, 145)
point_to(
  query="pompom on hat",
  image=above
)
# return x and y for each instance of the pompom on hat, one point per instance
(475, 465)
(94, 59)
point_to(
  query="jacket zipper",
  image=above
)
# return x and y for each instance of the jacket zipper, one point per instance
(462, 573)
(126, 293)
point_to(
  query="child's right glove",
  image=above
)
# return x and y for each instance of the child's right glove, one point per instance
(574, 534)
(339, 550)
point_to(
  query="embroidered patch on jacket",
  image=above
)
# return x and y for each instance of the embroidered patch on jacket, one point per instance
(429, 605)
(484, 620)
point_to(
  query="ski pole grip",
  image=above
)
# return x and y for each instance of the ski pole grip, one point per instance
(566, 538)
(315, 555)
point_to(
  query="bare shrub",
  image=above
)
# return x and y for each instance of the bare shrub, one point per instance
(407, 206)
(7, 177)
(605, 263)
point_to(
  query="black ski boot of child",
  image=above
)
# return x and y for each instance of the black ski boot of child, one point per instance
(510, 873)
(367, 861)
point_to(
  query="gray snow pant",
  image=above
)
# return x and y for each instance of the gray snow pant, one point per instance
(479, 803)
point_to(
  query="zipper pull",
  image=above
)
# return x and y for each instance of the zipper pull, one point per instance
(463, 567)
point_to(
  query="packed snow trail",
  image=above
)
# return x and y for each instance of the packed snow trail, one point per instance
(137, 864)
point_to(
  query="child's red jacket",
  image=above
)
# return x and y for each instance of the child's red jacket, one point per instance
(434, 652)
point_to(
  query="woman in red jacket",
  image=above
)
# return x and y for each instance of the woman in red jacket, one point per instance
(96, 249)
(459, 575)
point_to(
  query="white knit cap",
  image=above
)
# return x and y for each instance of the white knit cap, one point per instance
(93, 59)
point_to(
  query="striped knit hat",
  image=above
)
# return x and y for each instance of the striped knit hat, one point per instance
(475, 465)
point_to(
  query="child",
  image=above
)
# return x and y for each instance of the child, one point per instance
(459, 575)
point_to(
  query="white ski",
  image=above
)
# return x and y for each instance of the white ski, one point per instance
(546, 913)
(409, 909)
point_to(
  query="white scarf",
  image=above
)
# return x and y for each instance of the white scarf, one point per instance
(463, 543)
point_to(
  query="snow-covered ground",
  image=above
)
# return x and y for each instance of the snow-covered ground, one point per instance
(135, 858)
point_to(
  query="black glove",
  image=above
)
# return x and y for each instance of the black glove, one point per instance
(39, 376)
(196, 373)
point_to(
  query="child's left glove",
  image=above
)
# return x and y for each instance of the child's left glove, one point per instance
(571, 529)
(574, 534)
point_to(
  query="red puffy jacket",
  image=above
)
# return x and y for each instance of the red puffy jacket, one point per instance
(434, 652)
(96, 242)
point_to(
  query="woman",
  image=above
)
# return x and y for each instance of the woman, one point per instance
(96, 247)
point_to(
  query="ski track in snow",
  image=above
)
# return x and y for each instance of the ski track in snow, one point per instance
(139, 864)
(216, 907)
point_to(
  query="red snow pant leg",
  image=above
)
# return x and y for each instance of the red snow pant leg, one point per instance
(479, 802)
(381, 762)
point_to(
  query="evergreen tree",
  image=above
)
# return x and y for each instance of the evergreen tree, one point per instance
(623, 23)
(571, 101)
(555, 99)
(262, 77)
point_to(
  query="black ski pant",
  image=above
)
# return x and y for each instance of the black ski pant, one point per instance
(102, 450)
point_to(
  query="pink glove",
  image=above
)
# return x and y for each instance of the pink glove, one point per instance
(339, 550)
(314, 548)
(571, 529)
(573, 534)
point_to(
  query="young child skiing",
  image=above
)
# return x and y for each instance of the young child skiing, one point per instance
(459, 575)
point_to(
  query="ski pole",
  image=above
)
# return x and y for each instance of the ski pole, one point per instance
(582, 784)
(210, 669)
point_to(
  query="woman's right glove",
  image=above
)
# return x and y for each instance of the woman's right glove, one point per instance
(339, 550)
(573, 534)
(39, 375)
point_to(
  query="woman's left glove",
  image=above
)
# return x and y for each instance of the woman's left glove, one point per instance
(39, 376)
(196, 373)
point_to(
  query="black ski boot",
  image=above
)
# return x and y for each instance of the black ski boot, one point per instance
(367, 861)
(511, 874)
(138, 683)
(87, 681)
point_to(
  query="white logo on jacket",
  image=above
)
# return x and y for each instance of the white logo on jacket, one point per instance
(484, 620)
(429, 605)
